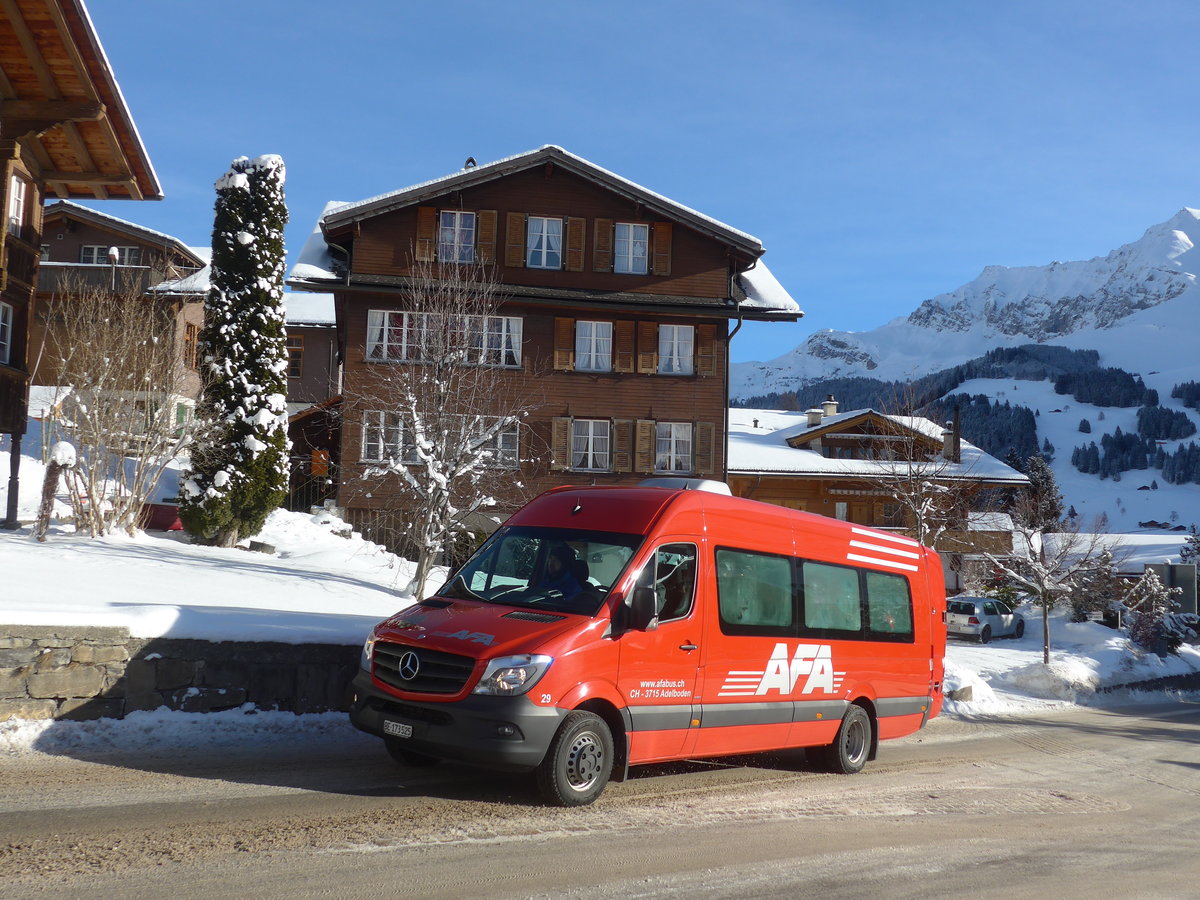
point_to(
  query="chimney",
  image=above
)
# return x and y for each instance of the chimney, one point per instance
(830, 406)
(951, 439)
(957, 435)
(814, 416)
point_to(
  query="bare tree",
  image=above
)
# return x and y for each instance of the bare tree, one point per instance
(440, 412)
(1059, 559)
(929, 486)
(114, 357)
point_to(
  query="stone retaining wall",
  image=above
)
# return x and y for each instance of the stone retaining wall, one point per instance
(67, 672)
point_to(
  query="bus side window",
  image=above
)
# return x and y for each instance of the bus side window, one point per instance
(754, 590)
(889, 606)
(831, 598)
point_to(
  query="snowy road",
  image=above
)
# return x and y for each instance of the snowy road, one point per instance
(1072, 802)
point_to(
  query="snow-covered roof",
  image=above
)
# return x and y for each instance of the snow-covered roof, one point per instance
(315, 261)
(763, 449)
(195, 283)
(763, 290)
(45, 398)
(309, 309)
(349, 212)
(67, 207)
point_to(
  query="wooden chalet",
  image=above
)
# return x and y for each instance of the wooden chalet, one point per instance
(839, 464)
(77, 250)
(618, 308)
(65, 132)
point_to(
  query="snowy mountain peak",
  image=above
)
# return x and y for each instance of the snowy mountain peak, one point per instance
(1060, 302)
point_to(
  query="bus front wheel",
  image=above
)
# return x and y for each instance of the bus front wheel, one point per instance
(579, 761)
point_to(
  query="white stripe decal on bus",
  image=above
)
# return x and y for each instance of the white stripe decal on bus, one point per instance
(890, 563)
(884, 536)
(894, 551)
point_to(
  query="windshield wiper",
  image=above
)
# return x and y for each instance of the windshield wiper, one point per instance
(457, 587)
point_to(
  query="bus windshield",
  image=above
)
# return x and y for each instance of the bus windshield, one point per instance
(553, 569)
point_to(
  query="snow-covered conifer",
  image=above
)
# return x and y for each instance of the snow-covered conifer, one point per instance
(1151, 603)
(238, 470)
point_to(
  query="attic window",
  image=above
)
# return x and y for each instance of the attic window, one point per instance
(630, 248)
(456, 236)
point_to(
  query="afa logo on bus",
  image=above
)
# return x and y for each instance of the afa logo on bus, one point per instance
(783, 671)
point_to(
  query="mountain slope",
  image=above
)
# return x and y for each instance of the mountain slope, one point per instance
(1123, 304)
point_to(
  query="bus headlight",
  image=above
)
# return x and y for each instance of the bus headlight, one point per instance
(512, 675)
(368, 652)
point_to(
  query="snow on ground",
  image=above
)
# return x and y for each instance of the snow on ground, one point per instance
(316, 588)
(322, 587)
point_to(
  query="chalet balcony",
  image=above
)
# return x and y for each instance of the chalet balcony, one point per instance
(66, 278)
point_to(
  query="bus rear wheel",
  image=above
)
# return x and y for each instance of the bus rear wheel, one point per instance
(849, 751)
(579, 761)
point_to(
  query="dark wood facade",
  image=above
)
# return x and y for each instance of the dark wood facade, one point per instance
(690, 266)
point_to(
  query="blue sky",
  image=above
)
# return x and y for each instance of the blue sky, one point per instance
(884, 152)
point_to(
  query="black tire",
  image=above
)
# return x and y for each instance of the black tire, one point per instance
(1019, 631)
(579, 761)
(407, 757)
(849, 751)
(986, 634)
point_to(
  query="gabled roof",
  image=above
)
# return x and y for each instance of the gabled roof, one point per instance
(137, 232)
(800, 435)
(348, 213)
(58, 93)
(758, 444)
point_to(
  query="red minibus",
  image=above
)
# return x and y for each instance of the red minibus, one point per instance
(605, 627)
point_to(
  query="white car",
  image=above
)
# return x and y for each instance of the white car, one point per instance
(982, 618)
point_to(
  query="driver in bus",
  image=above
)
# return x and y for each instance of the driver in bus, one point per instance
(559, 576)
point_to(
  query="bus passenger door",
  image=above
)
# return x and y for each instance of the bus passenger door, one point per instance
(658, 669)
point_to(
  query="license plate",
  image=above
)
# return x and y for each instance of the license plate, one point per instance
(397, 729)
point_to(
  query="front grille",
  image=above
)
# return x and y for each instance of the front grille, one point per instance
(526, 616)
(437, 672)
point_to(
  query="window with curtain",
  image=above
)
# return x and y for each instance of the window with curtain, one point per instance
(404, 337)
(630, 245)
(543, 243)
(593, 346)
(590, 444)
(673, 447)
(675, 344)
(456, 236)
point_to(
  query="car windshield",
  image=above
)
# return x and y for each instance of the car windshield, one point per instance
(554, 569)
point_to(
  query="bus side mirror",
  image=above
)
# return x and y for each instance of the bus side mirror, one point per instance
(644, 609)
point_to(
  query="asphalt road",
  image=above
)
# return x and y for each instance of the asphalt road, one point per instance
(1081, 803)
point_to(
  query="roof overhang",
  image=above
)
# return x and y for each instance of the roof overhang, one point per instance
(67, 209)
(617, 301)
(469, 177)
(59, 97)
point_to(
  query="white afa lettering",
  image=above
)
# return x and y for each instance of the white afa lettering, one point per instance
(782, 673)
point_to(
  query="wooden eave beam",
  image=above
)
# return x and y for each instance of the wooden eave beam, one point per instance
(53, 111)
(90, 178)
